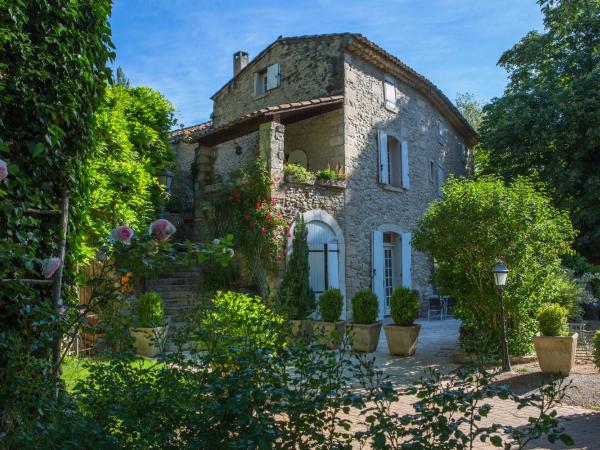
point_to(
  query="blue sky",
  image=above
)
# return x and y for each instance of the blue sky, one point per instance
(184, 48)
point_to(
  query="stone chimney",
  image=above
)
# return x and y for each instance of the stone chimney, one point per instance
(240, 60)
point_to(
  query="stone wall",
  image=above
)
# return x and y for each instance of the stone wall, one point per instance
(309, 68)
(320, 137)
(298, 198)
(232, 154)
(369, 206)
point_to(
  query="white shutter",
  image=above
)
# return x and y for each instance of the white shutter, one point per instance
(405, 177)
(377, 268)
(333, 280)
(406, 260)
(316, 264)
(384, 173)
(440, 178)
(272, 76)
(389, 91)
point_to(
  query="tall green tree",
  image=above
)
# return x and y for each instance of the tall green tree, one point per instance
(472, 110)
(132, 148)
(295, 295)
(547, 121)
(476, 224)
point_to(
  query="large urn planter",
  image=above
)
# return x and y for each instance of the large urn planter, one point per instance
(298, 331)
(402, 341)
(329, 334)
(148, 341)
(364, 337)
(556, 354)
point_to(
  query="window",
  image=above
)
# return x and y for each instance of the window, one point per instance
(389, 279)
(267, 79)
(431, 171)
(393, 161)
(441, 130)
(389, 92)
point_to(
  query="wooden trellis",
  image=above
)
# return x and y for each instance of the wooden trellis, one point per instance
(56, 280)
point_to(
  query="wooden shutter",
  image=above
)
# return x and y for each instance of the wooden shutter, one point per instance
(406, 260)
(405, 177)
(389, 91)
(377, 268)
(333, 280)
(316, 263)
(384, 173)
(440, 178)
(272, 76)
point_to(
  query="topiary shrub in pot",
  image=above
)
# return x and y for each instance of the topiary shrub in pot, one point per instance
(403, 335)
(329, 331)
(554, 347)
(365, 329)
(149, 334)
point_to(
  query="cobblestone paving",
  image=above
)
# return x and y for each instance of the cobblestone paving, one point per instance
(437, 341)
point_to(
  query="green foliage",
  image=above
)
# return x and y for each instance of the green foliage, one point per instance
(297, 171)
(552, 319)
(330, 305)
(234, 319)
(547, 122)
(404, 305)
(326, 174)
(295, 295)
(364, 307)
(479, 222)
(596, 343)
(131, 149)
(150, 310)
(470, 108)
(566, 292)
(53, 70)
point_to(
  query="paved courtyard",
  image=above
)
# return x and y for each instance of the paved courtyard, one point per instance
(438, 340)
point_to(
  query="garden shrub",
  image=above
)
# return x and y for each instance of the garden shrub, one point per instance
(470, 228)
(596, 342)
(552, 319)
(364, 307)
(235, 319)
(404, 305)
(150, 310)
(330, 305)
(297, 171)
(296, 298)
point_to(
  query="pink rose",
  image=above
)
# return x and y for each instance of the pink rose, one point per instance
(162, 229)
(50, 266)
(3, 170)
(122, 234)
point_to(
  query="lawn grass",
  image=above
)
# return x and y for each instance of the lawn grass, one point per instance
(75, 368)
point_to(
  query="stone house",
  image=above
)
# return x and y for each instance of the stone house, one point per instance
(335, 101)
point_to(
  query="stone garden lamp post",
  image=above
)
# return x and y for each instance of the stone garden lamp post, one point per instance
(500, 275)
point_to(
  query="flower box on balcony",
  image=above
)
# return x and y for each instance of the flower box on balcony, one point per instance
(335, 184)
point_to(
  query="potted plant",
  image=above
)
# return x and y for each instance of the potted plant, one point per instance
(403, 335)
(365, 329)
(296, 298)
(554, 347)
(329, 330)
(330, 178)
(149, 333)
(295, 173)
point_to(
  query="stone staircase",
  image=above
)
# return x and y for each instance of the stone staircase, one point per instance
(179, 291)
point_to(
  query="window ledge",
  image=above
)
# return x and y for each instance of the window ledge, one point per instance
(389, 187)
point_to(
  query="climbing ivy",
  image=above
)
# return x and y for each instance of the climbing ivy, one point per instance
(53, 71)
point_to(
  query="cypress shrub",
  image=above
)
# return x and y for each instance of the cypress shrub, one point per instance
(364, 307)
(330, 305)
(404, 304)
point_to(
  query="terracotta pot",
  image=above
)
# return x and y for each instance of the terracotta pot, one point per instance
(402, 341)
(300, 331)
(556, 354)
(329, 334)
(147, 340)
(364, 337)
